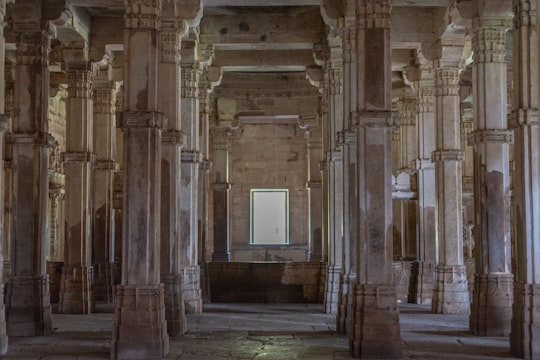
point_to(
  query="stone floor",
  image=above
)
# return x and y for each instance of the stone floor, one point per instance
(263, 331)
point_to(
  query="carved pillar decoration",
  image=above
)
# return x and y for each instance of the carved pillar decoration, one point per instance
(221, 144)
(316, 248)
(31, 144)
(4, 125)
(426, 251)
(492, 295)
(191, 160)
(375, 306)
(140, 329)
(171, 147)
(334, 75)
(77, 274)
(103, 212)
(347, 141)
(56, 196)
(450, 292)
(525, 324)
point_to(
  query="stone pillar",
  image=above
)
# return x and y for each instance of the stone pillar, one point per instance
(334, 75)
(425, 168)
(191, 160)
(407, 107)
(525, 324)
(140, 329)
(221, 143)
(316, 248)
(27, 298)
(171, 147)
(77, 273)
(376, 330)
(4, 124)
(347, 140)
(103, 212)
(492, 296)
(450, 292)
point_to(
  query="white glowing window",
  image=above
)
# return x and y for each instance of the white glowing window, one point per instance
(269, 223)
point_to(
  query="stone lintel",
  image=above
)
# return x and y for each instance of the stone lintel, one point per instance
(375, 119)
(191, 156)
(106, 165)
(491, 136)
(141, 119)
(173, 137)
(31, 139)
(447, 155)
(523, 117)
(78, 157)
(221, 186)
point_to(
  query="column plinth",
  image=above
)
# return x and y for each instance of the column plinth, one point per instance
(76, 290)
(451, 292)
(174, 304)
(192, 289)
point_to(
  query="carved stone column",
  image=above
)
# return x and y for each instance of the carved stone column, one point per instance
(76, 286)
(492, 296)
(347, 140)
(450, 292)
(425, 168)
(221, 143)
(103, 212)
(191, 160)
(171, 140)
(334, 75)
(525, 324)
(375, 307)
(140, 329)
(316, 248)
(27, 298)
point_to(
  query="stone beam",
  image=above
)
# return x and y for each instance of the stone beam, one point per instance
(262, 29)
(264, 58)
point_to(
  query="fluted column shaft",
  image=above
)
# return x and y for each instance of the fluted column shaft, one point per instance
(450, 293)
(76, 285)
(525, 323)
(31, 143)
(140, 329)
(492, 295)
(375, 307)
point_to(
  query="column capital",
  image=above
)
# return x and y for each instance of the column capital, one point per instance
(447, 155)
(141, 119)
(37, 138)
(142, 14)
(375, 119)
(170, 46)
(191, 157)
(346, 137)
(373, 14)
(524, 13)
(408, 108)
(190, 79)
(78, 157)
(80, 80)
(491, 136)
(447, 80)
(426, 99)
(105, 99)
(524, 117)
(489, 39)
(106, 165)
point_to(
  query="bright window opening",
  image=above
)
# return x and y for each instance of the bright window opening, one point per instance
(269, 223)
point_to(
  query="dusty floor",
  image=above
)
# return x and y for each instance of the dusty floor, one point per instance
(269, 332)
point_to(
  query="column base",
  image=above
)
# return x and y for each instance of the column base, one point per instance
(104, 283)
(192, 289)
(140, 329)
(491, 308)
(3, 324)
(376, 330)
(525, 334)
(450, 291)
(331, 298)
(343, 305)
(76, 290)
(424, 272)
(28, 307)
(175, 312)
(403, 278)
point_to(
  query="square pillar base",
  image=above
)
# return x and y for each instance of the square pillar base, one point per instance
(331, 298)
(525, 335)
(76, 290)
(451, 291)
(175, 312)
